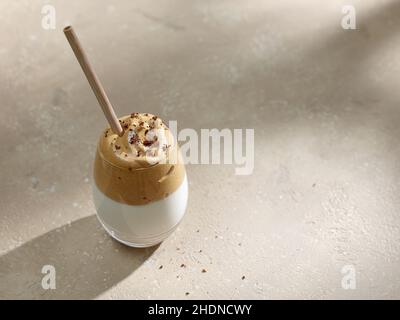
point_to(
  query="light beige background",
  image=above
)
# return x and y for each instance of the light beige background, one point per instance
(324, 103)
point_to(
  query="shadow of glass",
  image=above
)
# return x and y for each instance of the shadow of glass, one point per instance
(86, 259)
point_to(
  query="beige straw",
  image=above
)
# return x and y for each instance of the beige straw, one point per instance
(93, 81)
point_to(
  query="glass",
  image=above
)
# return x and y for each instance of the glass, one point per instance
(139, 207)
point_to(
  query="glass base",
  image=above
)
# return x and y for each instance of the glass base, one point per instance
(138, 242)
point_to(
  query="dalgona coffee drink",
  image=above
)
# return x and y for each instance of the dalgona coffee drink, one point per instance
(140, 186)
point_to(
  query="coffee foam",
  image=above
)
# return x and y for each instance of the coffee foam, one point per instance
(141, 166)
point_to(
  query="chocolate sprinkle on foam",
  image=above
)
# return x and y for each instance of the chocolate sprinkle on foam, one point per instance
(147, 143)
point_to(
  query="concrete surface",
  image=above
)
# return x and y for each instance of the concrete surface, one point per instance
(324, 103)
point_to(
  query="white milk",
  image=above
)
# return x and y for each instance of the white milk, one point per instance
(141, 225)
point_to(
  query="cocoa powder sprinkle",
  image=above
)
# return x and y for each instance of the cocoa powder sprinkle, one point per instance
(147, 143)
(133, 139)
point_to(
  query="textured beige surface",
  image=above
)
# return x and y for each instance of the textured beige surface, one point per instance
(324, 103)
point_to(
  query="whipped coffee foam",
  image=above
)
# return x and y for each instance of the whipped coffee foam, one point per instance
(145, 141)
(141, 166)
